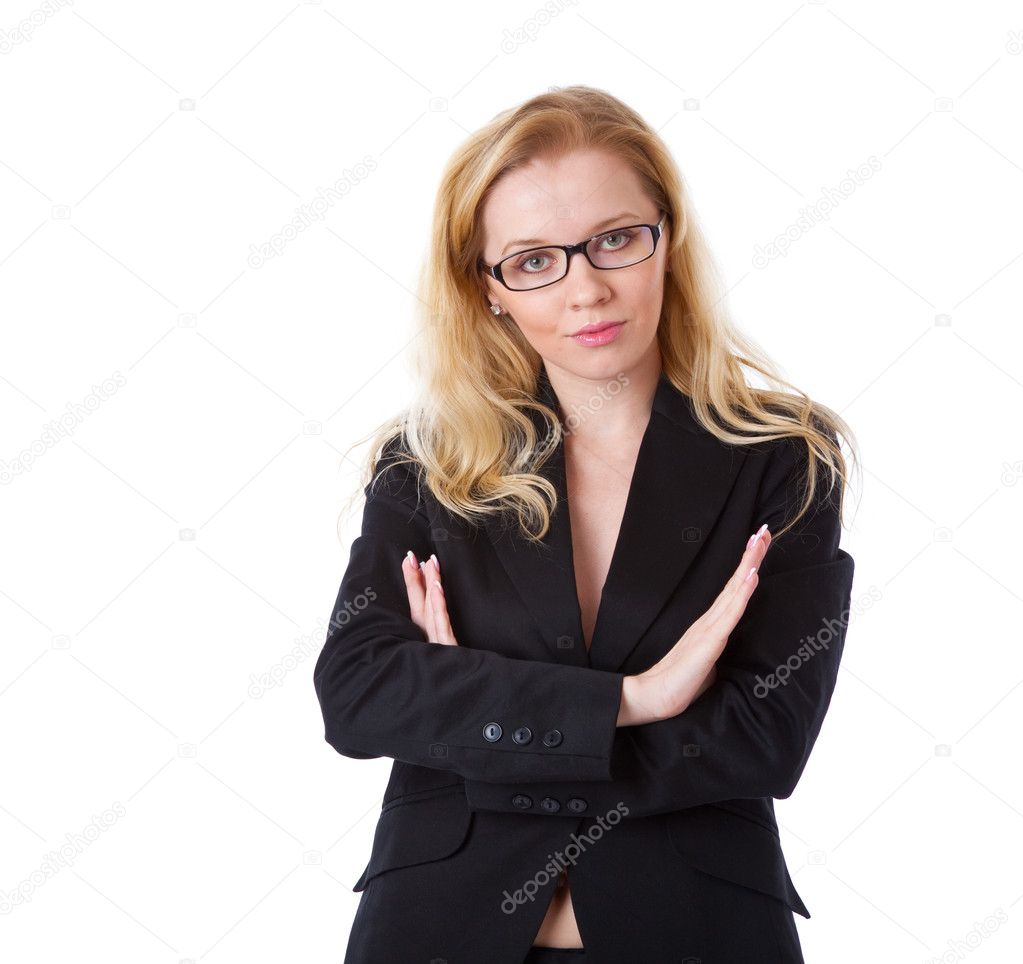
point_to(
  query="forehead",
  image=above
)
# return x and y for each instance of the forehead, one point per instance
(559, 198)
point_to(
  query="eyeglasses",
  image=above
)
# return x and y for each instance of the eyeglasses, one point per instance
(539, 267)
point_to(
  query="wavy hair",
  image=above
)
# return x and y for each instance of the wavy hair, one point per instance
(469, 431)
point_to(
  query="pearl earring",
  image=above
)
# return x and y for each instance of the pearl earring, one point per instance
(496, 309)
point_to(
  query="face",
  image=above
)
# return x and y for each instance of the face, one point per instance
(562, 202)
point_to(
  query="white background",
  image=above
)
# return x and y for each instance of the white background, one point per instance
(178, 540)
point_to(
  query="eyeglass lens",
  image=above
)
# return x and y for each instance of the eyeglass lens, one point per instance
(541, 266)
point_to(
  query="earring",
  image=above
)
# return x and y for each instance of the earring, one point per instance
(497, 309)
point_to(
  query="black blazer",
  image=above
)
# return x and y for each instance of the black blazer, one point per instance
(508, 762)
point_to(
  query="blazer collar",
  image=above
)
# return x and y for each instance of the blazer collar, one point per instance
(680, 484)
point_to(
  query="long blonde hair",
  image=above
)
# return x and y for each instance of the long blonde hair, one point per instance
(468, 431)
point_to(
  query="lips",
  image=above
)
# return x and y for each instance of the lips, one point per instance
(595, 326)
(605, 334)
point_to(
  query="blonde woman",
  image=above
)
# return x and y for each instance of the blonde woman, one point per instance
(597, 606)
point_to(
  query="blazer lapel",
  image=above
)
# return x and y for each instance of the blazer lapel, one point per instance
(681, 482)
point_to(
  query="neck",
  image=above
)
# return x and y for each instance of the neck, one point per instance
(604, 409)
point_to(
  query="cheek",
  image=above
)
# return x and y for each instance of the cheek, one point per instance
(648, 291)
(534, 318)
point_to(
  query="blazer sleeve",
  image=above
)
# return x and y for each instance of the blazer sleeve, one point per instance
(749, 735)
(385, 690)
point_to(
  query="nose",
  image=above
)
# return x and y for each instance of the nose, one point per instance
(584, 284)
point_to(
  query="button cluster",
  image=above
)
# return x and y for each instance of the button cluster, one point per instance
(493, 732)
(523, 801)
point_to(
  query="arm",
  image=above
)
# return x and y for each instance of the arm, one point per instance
(386, 691)
(750, 735)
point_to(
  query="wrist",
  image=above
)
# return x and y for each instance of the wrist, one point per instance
(637, 702)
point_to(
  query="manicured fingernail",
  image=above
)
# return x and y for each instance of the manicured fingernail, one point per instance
(436, 563)
(749, 575)
(411, 556)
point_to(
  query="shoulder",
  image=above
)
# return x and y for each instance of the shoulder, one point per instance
(804, 516)
(397, 476)
(787, 467)
(786, 462)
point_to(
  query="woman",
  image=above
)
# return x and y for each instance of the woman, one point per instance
(590, 713)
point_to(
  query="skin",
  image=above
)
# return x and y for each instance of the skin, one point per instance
(659, 693)
(561, 201)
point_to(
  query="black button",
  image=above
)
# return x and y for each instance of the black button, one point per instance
(522, 801)
(576, 804)
(550, 804)
(552, 738)
(492, 732)
(522, 735)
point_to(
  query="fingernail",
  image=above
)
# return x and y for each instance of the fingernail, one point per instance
(435, 561)
(411, 556)
(749, 575)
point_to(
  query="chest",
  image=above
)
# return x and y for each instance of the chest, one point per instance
(598, 483)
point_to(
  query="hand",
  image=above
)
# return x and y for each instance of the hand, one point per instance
(688, 669)
(426, 601)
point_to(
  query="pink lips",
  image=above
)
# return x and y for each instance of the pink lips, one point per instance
(600, 334)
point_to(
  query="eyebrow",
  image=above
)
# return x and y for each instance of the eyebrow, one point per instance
(593, 231)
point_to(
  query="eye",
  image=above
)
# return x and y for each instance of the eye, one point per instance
(624, 238)
(521, 265)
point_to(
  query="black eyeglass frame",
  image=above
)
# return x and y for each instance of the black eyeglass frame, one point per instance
(494, 270)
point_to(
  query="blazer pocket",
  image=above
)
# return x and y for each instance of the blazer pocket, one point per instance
(418, 829)
(736, 847)
(740, 808)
